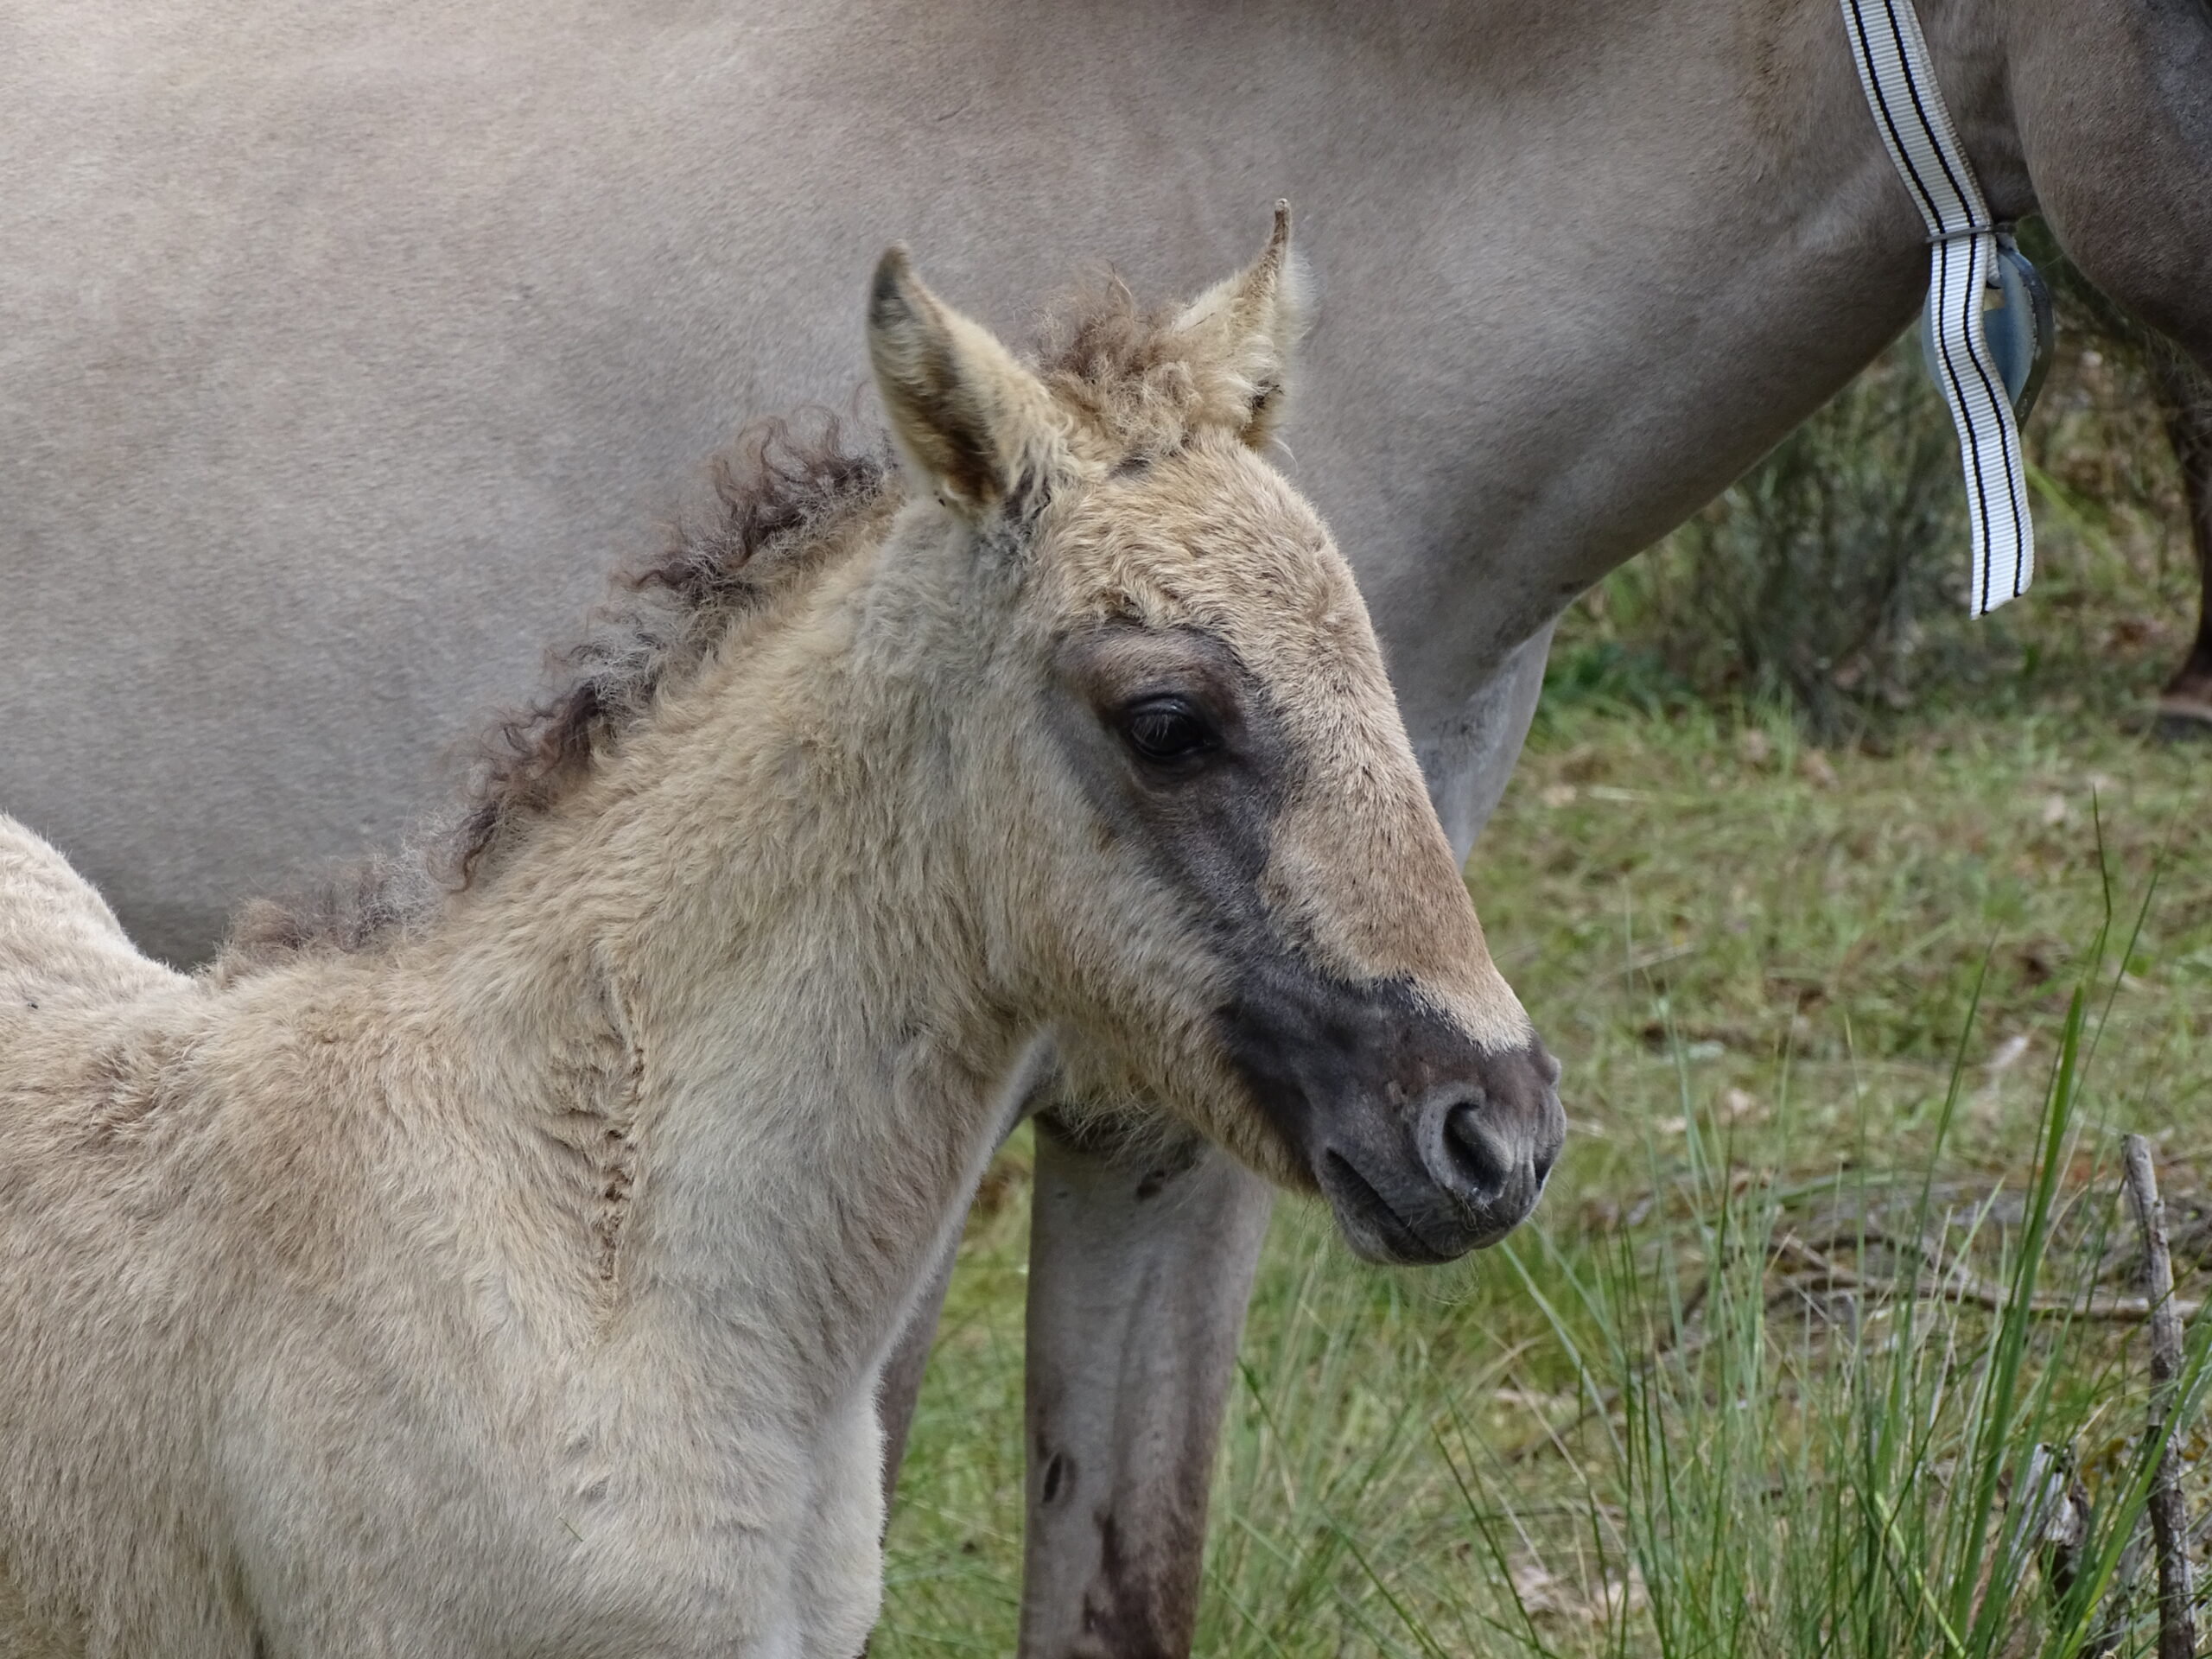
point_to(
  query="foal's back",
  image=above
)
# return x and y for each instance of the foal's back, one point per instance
(151, 1266)
(96, 1227)
(60, 946)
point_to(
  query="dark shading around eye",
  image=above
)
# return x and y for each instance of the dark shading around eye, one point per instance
(1165, 730)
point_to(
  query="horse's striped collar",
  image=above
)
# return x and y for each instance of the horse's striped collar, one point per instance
(1971, 254)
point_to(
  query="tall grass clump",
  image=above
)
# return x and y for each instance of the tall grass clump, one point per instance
(1789, 1449)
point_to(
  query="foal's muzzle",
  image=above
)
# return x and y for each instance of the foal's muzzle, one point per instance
(1464, 1166)
(1426, 1143)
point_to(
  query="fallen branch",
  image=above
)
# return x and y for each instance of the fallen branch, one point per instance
(1964, 1287)
(1820, 1271)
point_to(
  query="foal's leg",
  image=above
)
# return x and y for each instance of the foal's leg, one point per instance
(901, 1385)
(1139, 1272)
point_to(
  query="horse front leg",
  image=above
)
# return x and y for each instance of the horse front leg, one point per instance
(1139, 1268)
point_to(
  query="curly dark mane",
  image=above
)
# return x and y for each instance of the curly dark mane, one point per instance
(782, 496)
(1121, 367)
(785, 497)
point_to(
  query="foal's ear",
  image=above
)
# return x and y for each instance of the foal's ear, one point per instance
(1247, 331)
(969, 418)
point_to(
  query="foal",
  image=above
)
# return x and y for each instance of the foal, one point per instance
(509, 1274)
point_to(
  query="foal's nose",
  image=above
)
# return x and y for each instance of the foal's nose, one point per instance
(1491, 1148)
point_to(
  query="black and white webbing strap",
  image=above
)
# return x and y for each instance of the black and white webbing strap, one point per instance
(1908, 106)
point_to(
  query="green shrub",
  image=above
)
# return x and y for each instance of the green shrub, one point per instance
(1830, 580)
(1811, 583)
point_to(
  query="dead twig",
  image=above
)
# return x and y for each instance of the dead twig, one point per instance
(2112, 1629)
(2169, 1520)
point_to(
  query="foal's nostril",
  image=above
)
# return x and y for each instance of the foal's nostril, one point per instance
(1479, 1166)
(1546, 1158)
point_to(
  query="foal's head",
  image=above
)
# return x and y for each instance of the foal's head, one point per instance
(1213, 856)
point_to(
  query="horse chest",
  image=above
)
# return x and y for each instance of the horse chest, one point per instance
(614, 1519)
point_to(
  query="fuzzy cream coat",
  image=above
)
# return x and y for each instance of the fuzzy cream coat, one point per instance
(516, 1281)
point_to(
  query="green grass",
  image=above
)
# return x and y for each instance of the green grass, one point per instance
(1760, 981)
(1895, 998)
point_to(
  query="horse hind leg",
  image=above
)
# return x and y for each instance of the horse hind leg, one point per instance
(2185, 402)
(60, 946)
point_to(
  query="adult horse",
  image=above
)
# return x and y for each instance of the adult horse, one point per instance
(404, 307)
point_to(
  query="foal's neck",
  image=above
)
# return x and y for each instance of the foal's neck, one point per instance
(745, 958)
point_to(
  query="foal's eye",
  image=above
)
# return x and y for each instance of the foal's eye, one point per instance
(1165, 729)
